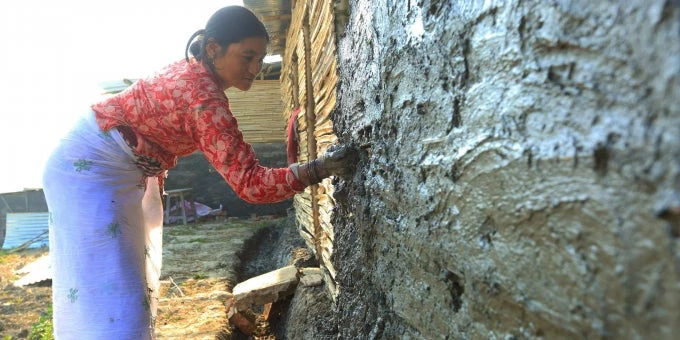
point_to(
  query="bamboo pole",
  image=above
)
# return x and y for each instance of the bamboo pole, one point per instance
(311, 118)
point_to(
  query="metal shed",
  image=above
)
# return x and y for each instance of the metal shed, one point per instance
(24, 227)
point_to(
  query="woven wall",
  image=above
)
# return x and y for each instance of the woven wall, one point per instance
(308, 82)
(258, 112)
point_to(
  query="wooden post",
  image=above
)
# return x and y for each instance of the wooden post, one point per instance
(295, 82)
(311, 124)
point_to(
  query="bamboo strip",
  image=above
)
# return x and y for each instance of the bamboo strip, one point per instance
(326, 199)
(325, 73)
(322, 38)
(331, 285)
(327, 247)
(304, 222)
(303, 208)
(327, 263)
(257, 112)
(302, 229)
(325, 95)
(326, 218)
(302, 198)
(321, 46)
(295, 26)
(314, 15)
(328, 230)
(321, 27)
(327, 211)
(309, 241)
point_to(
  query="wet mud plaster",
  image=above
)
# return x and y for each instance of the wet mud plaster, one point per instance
(522, 173)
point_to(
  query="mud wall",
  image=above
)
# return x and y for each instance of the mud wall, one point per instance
(523, 170)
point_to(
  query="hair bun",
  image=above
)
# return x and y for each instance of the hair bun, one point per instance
(194, 44)
(195, 47)
(228, 25)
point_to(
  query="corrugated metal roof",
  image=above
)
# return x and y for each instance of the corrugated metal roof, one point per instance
(23, 227)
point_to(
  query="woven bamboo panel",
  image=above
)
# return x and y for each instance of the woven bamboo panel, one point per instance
(303, 215)
(292, 70)
(293, 30)
(324, 73)
(313, 19)
(258, 110)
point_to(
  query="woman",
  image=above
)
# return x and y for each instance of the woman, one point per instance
(103, 183)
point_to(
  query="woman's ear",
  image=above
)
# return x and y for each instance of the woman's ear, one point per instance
(212, 49)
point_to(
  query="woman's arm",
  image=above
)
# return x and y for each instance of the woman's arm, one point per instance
(219, 138)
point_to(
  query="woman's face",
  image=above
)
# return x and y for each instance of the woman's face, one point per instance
(240, 63)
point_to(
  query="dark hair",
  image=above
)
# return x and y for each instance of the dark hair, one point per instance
(228, 25)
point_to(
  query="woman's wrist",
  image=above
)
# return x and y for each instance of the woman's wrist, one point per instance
(311, 172)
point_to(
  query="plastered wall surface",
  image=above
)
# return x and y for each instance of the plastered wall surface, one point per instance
(523, 174)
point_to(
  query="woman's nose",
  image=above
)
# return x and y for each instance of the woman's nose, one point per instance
(255, 67)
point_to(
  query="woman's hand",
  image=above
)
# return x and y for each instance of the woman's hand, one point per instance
(338, 160)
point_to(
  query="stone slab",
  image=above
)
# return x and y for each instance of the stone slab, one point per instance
(266, 288)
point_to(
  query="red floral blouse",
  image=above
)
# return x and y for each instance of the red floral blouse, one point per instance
(181, 109)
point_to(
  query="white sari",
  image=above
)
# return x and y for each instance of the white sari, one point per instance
(105, 236)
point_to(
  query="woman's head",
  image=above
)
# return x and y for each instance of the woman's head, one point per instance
(233, 38)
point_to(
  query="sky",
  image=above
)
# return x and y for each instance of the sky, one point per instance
(55, 55)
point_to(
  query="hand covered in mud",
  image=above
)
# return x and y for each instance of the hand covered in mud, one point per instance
(339, 160)
(336, 161)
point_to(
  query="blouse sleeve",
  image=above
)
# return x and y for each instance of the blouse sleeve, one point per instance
(219, 138)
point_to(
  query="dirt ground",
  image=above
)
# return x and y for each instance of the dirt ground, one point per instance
(201, 264)
(20, 307)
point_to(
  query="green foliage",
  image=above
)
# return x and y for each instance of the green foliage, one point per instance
(200, 276)
(43, 329)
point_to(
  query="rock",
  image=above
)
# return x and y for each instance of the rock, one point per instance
(265, 288)
(243, 323)
(311, 277)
